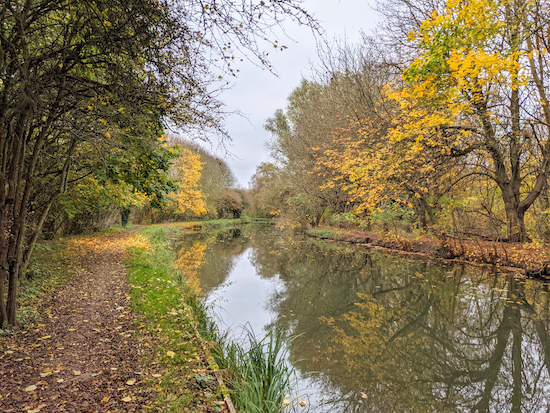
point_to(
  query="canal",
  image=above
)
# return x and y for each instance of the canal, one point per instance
(376, 332)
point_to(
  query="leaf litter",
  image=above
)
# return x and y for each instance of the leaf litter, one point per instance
(62, 364)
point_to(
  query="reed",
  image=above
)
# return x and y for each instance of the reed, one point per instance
(257, 371)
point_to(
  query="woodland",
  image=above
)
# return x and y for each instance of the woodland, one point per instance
(438, 123)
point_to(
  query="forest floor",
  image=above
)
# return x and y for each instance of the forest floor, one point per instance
(83, 353)
(523, 258)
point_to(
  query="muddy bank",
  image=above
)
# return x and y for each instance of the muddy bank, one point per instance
(528, 259)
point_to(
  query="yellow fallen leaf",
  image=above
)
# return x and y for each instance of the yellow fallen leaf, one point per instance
(60, 380)
(49, 373)
(71, 329)
(31, 388)
(131, 382)
(170, 354)
(76, 373)
(45, 337)
(127, 399)
(156, 375)
(105, 399)
(177, 331)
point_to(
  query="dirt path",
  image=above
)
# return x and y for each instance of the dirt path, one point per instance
(83, 357)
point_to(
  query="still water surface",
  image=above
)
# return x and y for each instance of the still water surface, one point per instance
(379, 333)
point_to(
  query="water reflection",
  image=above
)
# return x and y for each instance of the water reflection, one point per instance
(386, 334)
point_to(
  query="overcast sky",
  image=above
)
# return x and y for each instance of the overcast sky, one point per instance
(257, 93)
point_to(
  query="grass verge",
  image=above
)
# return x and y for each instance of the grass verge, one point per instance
(181, 373)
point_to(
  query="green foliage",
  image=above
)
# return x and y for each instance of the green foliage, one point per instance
(395, 216)
(346, 220)
(265, 375)
(323, 233)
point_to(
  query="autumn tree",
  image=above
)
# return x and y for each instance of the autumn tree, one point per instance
(265, 191)
(308, 139)
(217, 178)
(478, 92)
(187, 172)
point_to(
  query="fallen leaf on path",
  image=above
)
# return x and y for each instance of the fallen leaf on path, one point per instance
(76, 373)
(127, 399)
(156, 375)
(131, 382)
(105, 399)
(45, 337)
(31, 388)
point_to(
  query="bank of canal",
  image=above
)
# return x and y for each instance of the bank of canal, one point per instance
(377, 332)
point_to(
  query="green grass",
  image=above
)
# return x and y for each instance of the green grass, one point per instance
(263, 374)
(50, 269)
(168, 309)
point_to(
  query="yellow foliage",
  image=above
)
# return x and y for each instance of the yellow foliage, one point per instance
(187, 170)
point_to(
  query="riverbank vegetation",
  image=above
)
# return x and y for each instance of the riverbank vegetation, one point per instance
(192, 358)
(437, 125)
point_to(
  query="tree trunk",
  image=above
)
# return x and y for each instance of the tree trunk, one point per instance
(12, 294)
(515, 218)
(3, 312)
(125, 215)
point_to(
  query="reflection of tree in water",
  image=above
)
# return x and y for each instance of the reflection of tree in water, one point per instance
(411, 336)
(220, 251)
(190, 260)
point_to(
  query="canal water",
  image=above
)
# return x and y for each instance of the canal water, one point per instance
(380, 333)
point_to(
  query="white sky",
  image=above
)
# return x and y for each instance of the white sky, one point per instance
(257, 93)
